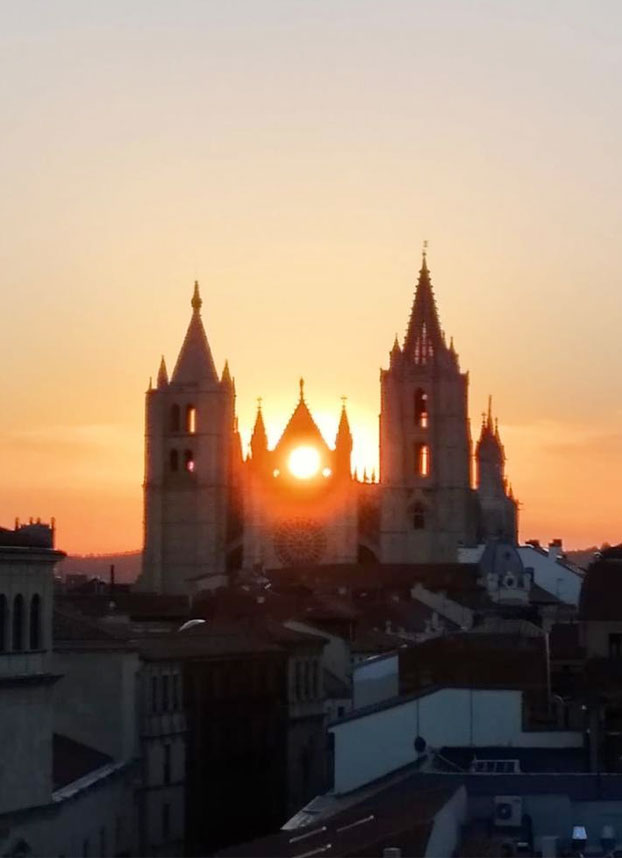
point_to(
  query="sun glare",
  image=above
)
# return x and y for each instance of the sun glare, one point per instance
(304, 462)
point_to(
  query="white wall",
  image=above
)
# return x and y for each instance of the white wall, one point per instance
(372, 745)
(553, 577)
(446, 830)
(26, 742)
(103, 814)
(95, 701)
(336, 653)
(374, 680)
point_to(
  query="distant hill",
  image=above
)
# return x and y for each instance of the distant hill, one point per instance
(126, 566)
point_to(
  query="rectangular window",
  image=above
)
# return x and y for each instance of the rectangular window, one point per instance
(165, 700)
(422, 460)
(191, 419)
(154, 693)
(176, 694)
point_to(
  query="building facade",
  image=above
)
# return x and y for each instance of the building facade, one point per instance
(209, 512)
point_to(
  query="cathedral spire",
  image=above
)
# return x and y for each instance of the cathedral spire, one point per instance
(162, 380)
(423, 337)
(197, 301)
(343, 441)
(195, 362)
(259, 438)
(226, 375)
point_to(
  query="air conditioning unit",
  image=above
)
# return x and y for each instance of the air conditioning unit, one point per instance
(508, 810)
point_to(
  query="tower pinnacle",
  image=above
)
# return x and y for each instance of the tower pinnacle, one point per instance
(197, 301)
(162, 379)
(423, 337)
(195, 362)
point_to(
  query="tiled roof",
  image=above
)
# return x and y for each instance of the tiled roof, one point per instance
(399, 815)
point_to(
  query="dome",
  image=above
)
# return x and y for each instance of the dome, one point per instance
(501, 559)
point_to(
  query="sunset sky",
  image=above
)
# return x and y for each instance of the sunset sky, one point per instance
(293, 155)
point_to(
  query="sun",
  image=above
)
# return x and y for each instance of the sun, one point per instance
(304, 462)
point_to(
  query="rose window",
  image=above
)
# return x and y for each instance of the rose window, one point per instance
(299, 542)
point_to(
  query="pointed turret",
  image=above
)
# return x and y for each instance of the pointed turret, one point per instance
(343, 442)
(395, 353)
(162, 380)
(195, 363)
(423, 337)
(489, 445)
(259, 438)
(226, 379)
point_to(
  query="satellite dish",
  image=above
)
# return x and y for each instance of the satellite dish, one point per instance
(190, 624)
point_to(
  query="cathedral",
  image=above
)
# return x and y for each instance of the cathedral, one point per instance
(211, 513)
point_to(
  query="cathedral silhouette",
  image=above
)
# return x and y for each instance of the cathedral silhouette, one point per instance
(210, 513)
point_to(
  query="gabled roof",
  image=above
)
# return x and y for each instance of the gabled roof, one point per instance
(195, 362)
(301, 427)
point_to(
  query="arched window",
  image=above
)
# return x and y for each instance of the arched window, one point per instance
(418, 517)
(4, 617)
(189, 461)
(18, 623)
(191, 419)
(175, 418)
(174, 460)
(35, 622)
(422, 460)
(421, 408)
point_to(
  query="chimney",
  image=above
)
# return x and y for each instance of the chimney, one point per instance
(555, 549)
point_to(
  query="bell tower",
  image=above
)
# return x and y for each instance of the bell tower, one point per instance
(189, 435)
(499, 510)
(427, 504)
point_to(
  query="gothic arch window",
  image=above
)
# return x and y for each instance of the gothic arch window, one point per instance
(422, 460)
(421, 408)
(4, 622)
(175, 418)
(418, 517)
(191, 419)
(189, 461)
(174, 460)
(18, 623)
(35, 622)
